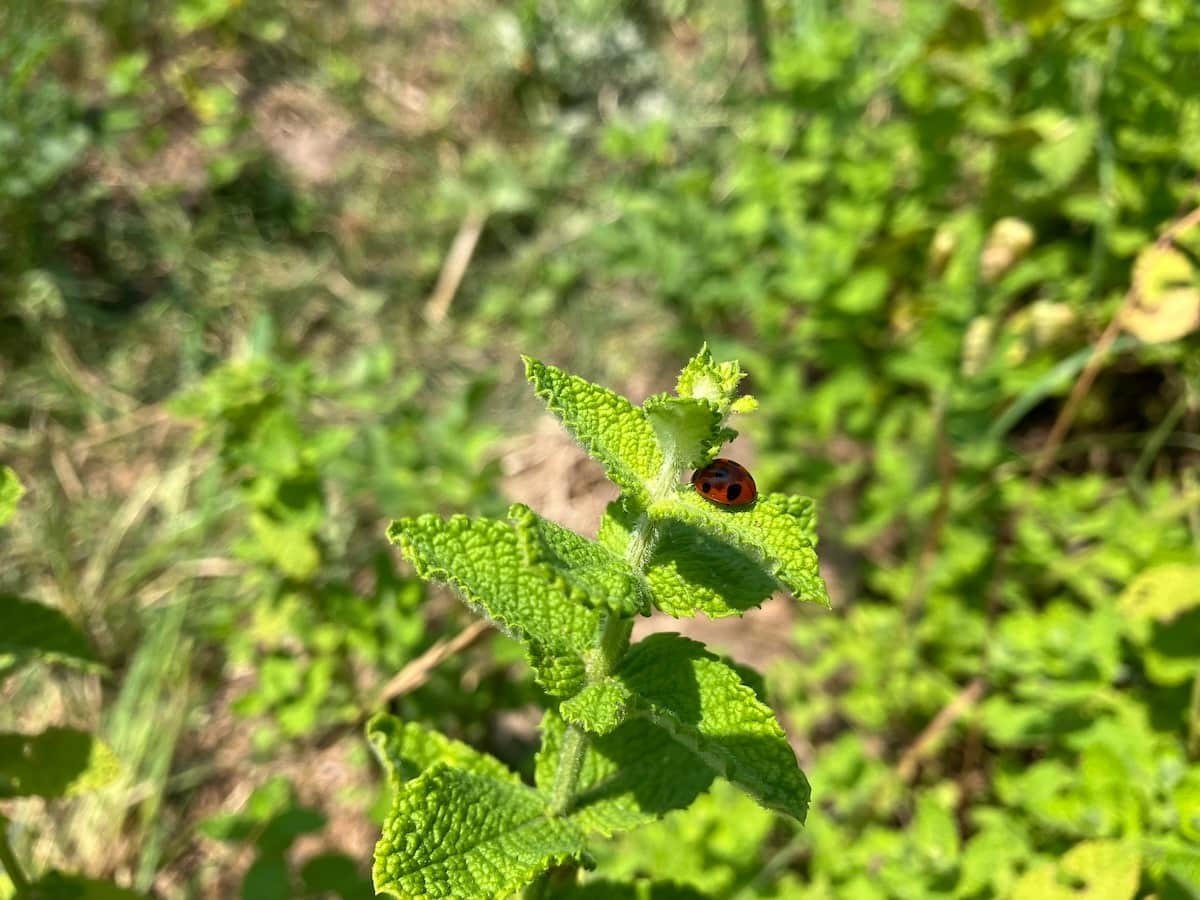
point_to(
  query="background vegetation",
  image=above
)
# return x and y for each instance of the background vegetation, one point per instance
(265, 272)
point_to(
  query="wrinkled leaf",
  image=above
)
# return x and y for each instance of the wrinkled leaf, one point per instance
(454, 833)
(704, 705)
(610, 428)
(630, 777)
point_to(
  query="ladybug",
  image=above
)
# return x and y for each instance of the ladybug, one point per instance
(726, 482)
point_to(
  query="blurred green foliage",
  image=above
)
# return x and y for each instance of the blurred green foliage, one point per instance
(221, 225)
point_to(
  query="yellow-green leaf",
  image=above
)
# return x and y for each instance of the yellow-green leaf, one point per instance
(1166, 296)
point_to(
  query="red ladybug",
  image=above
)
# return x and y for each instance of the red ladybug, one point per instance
(726, 482)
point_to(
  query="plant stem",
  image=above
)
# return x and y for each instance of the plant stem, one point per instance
(8, 860)
(612, 640)
(570, 762)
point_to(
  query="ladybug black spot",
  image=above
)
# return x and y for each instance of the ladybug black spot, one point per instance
(706, 487)
(735, 491)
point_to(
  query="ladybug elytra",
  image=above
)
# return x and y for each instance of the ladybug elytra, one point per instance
(726, 482)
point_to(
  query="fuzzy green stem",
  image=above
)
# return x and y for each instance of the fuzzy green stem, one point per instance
(570, 762)
(8, 860)
(612, 640)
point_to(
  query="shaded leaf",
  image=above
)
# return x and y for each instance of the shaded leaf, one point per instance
(632, 776)
(703, 704)
(57, 885)
(590, 573)
(776, 532)
(57, 762)
(30, 631)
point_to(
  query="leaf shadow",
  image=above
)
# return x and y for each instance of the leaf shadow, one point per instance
(711, 567)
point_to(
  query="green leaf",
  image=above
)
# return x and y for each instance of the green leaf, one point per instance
(776, 532)
(11, 492)
(634, 775)
(562, 675)
(934, 831)
(407, 749)
(55, 885)
(484, 560)
(610, 428)
(1067, 144)
(689, 431)
(1093, 870)
(714, 383)
(59, 762)
(1186, 798)
(1161, 608)
(1160, 594)
(599, 708)
(689, 570)
(590, 573)
(454, 833)
(30, 631)
(288, 545)
(267, 878)
(692, 571)
(703, 703)
(1166, 296)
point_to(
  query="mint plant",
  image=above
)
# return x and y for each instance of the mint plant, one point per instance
(634, 730)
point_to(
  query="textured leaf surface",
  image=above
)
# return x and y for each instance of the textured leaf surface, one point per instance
(30, 630)
(711, 557)
(11, 492)
(689, 431)
(453, 833)
(610, 428)
(703, 378)
(483, 559)
(599, 708)
(690, 570)
(56, 763)
(704, 704)
(590, 573)
(407, 749)
(561, 674)
(632, 776)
